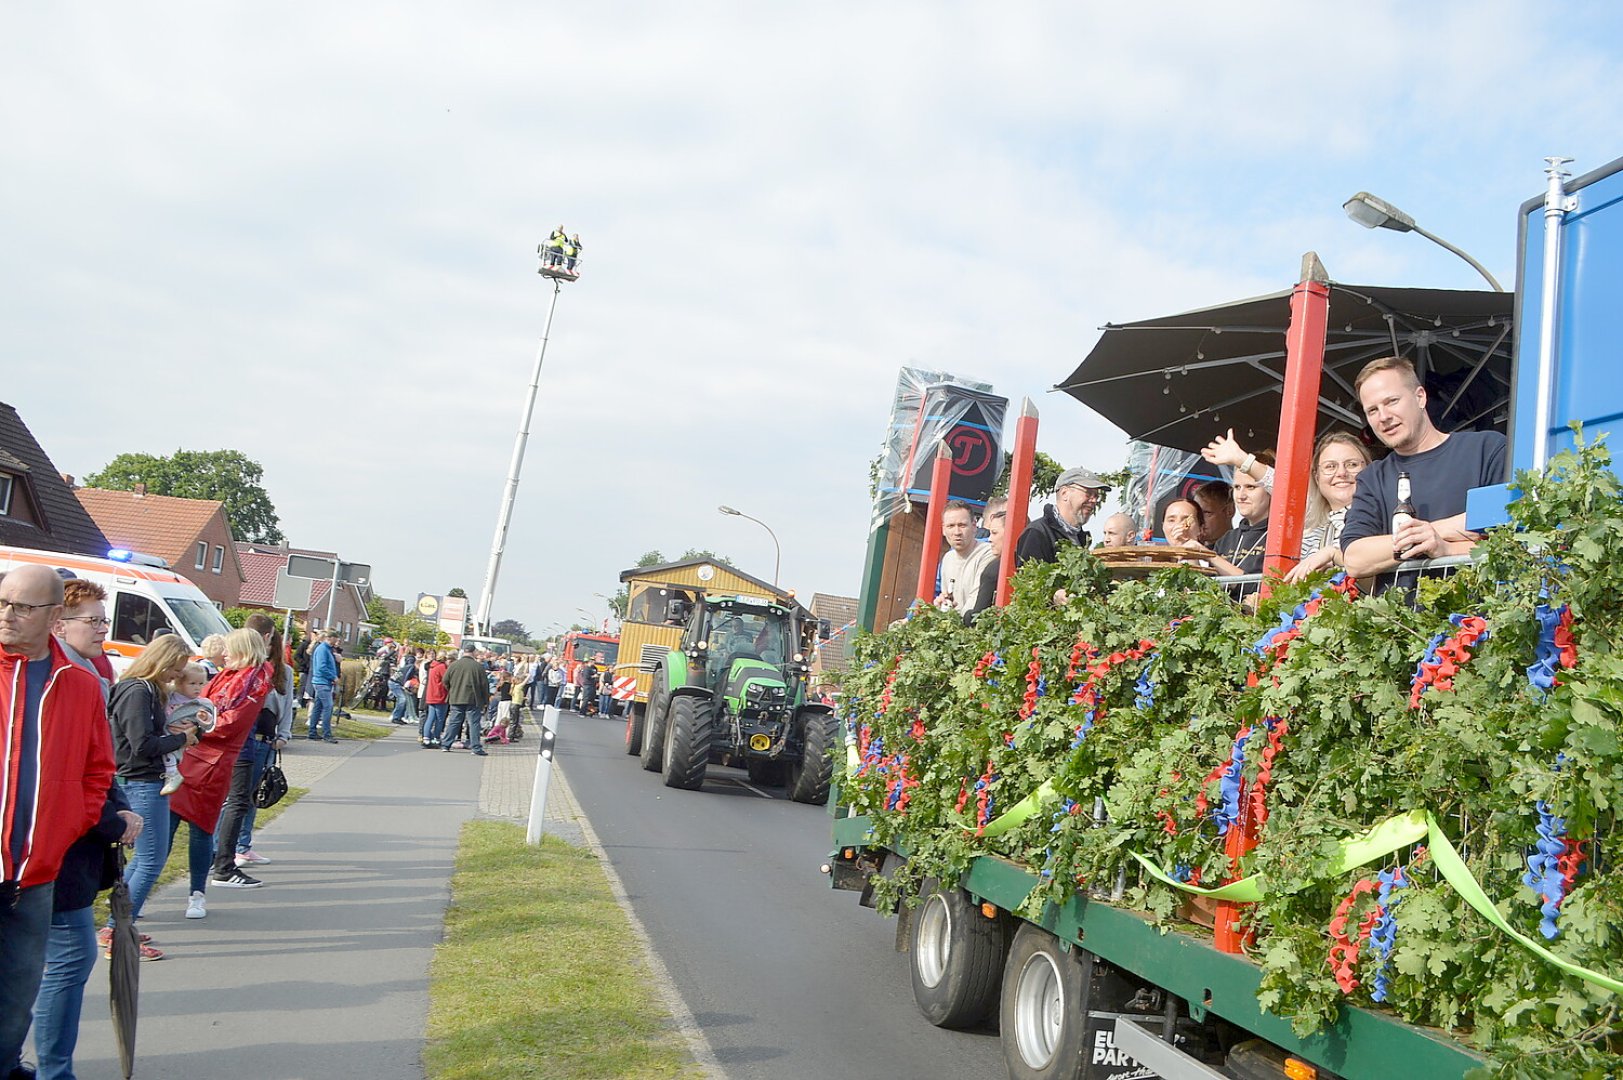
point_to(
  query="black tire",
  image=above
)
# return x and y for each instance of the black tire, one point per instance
(653, 728)
(956, 959)
(766, 773)
(687, 741)
(810, 777)
(1040, 1009)
(634, 724)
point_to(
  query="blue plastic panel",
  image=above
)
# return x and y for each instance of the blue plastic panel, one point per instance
(1589, 341)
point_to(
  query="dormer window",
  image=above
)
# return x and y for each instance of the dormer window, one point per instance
(7, 482)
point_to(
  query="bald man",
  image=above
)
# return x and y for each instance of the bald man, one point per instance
(58, 769)
(1119, 531)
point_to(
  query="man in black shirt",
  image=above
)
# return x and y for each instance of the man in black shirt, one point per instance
(1441, 468)
(1076, 497)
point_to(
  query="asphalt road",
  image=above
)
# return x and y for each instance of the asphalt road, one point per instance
(788, 978)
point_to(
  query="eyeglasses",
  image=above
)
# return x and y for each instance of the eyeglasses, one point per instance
(88, 620)
(1352, 467)
(9, 607)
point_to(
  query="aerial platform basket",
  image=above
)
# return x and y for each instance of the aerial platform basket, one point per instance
(557, 265)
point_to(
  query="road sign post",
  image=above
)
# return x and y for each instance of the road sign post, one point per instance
(547, 738)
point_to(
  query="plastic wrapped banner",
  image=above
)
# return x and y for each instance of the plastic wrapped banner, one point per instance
(931, 406)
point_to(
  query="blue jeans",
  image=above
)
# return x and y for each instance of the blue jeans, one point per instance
(199, 852)
(434, 725)
(405, 706)
(258, 755)
(152, 846)
(321, 710)
(459, 713)
(70, 954)
(23, 930)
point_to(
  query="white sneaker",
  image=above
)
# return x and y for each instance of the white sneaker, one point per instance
(250, 858)
(197, 906)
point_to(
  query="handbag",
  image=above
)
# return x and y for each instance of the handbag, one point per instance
(272, 783)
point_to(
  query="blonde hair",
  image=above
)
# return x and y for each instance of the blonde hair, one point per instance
(158, 659)
(1404, 368)
(244, 648)
(1318, 509)
(211, 644)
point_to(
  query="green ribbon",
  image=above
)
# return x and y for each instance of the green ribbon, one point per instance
(1021, 810)
(1382, 840)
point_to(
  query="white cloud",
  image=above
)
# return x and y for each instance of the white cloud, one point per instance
(308, 233)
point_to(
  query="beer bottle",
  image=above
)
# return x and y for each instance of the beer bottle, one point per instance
(1404, 512)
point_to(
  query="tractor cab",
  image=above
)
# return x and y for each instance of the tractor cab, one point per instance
(745, 643)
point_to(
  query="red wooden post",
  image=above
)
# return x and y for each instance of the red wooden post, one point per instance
(940, 482)
(1014, 522)
(1298, 417)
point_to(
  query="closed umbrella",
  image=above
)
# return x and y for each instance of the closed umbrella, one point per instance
(1182, 380)
(124, 976)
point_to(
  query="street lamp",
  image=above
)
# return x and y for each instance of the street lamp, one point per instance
(776, 547)
(1374, 213)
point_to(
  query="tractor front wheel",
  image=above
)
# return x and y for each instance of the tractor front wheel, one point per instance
(687, 741)
(809, 778)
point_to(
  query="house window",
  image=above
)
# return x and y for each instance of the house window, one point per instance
(5, 493)
(219, 557)
(202, 554)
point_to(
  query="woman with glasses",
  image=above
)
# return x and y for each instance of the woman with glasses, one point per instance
(1337, 460)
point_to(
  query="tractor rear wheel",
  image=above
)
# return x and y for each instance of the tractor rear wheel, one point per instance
(653, 728)
(687, 741)
(636, 716)
(810, 777)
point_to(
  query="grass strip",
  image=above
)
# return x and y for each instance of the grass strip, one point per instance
(360, 729)
(539, 973)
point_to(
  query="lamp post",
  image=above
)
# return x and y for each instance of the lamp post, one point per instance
(777, 548)
(1374, 213)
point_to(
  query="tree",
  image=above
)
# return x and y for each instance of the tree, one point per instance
(512, 630)
(227, 475)
(458, 591)
(1044, 475)
(704, 553)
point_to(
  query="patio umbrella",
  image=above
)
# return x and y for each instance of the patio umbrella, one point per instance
(1181, 380)
(124, 976)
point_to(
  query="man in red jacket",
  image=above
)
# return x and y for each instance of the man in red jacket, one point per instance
(58, 765)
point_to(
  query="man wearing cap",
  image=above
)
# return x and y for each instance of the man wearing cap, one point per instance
(1075, 499)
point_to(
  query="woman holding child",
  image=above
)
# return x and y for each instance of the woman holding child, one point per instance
(137, 708)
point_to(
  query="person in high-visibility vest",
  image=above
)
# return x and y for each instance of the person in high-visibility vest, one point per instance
(556, 244)
(573, 250)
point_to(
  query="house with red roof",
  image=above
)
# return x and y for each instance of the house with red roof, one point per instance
(192, 535)
(347, 611)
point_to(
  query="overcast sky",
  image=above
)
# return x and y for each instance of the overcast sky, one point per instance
(307, 232)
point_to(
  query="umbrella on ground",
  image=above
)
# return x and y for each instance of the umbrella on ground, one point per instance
(1181, 380)
(124, 976)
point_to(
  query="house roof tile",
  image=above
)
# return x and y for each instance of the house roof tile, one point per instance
(160, 525)
(65, 526)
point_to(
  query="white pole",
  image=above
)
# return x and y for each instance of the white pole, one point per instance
(505, 515)
(548, 737)
(1555, 209)
(332, 594)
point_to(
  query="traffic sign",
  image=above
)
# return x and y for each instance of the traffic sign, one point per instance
(292, 593)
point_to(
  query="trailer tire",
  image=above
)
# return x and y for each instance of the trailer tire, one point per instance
(956, 958)
(635, 719)
(1040, 1009)
(766, 773)
(653, 728)
(687, 741)
(809, 778)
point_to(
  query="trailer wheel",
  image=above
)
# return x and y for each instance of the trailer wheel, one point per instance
(687, 742)
(810, 777)
(636, 716)
(765, 773)
(653, 728)
(956, 958)
(1044, 1031)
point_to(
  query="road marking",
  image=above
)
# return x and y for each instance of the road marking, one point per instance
(686, 1026)
(742, 784)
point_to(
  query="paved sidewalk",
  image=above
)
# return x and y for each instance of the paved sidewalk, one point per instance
(323, 972)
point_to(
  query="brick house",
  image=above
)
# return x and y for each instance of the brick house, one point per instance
(260, 562)
(833, 655)
(192, 535)
(37, 507)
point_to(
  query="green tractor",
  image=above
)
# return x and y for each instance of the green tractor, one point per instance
(733, 692)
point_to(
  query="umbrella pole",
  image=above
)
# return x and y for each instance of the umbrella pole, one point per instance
(1298, 414)
(1014, 521)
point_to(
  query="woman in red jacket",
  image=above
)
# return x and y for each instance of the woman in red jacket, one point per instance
(437, 700)
(237, 693)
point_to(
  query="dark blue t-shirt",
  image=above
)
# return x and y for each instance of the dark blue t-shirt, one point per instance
(39, 673)
(1438, 481)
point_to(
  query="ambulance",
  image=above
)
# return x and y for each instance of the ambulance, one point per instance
(144, 598)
